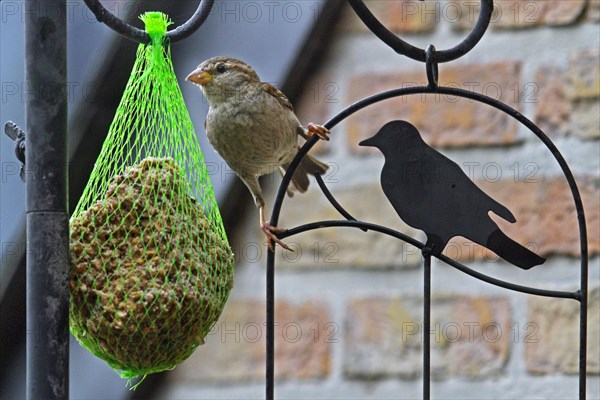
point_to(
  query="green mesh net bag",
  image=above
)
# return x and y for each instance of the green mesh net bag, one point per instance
(151, 267)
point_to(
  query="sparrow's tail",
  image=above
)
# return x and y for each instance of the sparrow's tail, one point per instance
(512, 251)
(308, 165)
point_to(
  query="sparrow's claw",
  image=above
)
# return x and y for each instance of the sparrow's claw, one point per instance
(271, 232)
(319, 130)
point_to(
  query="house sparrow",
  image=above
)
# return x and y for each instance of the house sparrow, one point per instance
(253, 127)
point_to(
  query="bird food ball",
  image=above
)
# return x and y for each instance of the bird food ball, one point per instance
(149, 272)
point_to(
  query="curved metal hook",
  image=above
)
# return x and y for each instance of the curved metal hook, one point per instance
(402, 47)
(139, 35)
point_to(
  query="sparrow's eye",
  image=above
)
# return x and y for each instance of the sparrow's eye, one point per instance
(221, 68)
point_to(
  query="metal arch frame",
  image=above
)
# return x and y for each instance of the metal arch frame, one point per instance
(431, 57)
(139, 35)
(579, 295)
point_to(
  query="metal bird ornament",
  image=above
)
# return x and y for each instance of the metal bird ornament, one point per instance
(430, 192)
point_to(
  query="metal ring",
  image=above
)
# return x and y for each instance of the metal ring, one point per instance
(139, 35)
(431, 66)
(402, 47)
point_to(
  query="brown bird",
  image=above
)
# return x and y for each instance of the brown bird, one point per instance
(253, 127)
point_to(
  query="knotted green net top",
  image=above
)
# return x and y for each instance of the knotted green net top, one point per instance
(151, 268)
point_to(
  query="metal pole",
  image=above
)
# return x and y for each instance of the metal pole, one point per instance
(426, 324)
(47, 218)
(583, 344)
(270, 311)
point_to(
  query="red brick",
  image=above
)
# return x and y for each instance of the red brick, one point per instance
(303, 340)
(568, 101)
(561, 12)
(514, 14)
(585, 119)
(552, 110)
(400, 16)
(583, 75)
(411, 16)
(583, 89)
(443, 120)
(384, 337)
(553, 342)
(235, 349)
(594, 11)
(523, 14)
(549, 219)
(480, 350)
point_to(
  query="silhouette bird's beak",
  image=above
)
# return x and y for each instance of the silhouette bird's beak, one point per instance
(368, 142)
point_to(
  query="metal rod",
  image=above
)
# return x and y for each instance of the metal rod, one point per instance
(333, 201)
(270, 311)
(583, 289)
(47, 218)
(583, 339)
(404, 48)
(453, 263)
(426, 325)
(139, 35)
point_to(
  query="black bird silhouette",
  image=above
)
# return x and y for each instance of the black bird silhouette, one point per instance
(430, 192)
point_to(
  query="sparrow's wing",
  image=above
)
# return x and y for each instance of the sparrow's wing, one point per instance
(280, 97)
(277, 94)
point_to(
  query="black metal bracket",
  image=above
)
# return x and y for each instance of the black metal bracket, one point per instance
(578, 295)
(139, 35)
(431, 57)
(16, 134)
(404, 48)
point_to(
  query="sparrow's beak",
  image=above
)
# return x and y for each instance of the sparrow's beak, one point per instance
(199, 77)
(368, 142)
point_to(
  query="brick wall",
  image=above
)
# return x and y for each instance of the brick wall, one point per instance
(349, 304)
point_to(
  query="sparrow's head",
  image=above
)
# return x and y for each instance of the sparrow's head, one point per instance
(222, 77)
